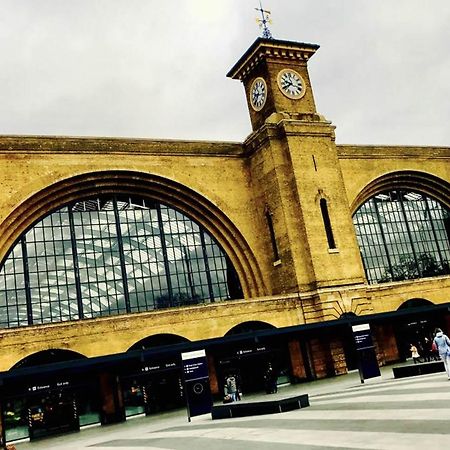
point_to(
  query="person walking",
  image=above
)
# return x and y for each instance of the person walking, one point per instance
(442, 343)
(426, 350)
(232, 387)
(270, 380)
(414, 353)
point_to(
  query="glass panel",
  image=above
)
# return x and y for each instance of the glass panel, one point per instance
(153, 255)
(15, 414)
(402, 235)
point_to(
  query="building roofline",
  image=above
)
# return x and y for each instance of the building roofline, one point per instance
(301, 50)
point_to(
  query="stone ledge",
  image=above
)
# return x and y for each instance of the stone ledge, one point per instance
(418, 369)
(244, 409)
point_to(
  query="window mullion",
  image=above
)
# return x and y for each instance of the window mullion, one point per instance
(26, 276)
(121, 257)
(383, 238)
(408, 230)
(164, 250)
(76, 265)
(428, 212)
(205, 259)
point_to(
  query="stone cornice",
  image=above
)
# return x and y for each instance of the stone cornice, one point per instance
(263, 49)
(389, 151)
(102, 145)
(278, 127)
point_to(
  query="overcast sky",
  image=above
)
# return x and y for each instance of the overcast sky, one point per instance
(156, 69)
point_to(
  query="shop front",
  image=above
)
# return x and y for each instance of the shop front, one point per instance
(48, 406)
(42, 400)
(156, 388)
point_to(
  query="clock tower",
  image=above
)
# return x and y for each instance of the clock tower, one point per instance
(295, 169)
(275, 77)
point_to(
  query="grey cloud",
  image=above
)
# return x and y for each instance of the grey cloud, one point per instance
(146, 68)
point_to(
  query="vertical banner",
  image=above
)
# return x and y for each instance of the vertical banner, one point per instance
(368, 364)
(196, 383)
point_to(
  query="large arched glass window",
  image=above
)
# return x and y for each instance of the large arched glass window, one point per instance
(403, 235)
(106, 256)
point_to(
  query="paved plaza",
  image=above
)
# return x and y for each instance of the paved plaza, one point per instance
(384, 413)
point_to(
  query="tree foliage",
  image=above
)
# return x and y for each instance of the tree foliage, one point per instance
(408, 268)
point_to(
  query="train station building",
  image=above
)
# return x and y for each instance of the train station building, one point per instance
(117, 255)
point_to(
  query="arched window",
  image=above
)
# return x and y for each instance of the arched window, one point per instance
(327, 223)
(111, 255)
(403, 235)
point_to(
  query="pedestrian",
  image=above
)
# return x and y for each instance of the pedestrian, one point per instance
(414, 353)
(426, 348)
(231, 387)
(434, 351)
(442, 343)
(270, 380)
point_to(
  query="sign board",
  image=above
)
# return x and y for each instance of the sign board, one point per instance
(362, 336)
(159, 366)
(368, 364)
(196, 383)
(49, 386)
(251, 350)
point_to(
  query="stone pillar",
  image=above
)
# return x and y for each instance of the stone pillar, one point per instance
(213, 382)
(321, 358)
(328, 357)
(385, 344)
(338, 357)
(297, 363)
(113, 409)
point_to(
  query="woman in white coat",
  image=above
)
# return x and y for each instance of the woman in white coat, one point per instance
(443, 347)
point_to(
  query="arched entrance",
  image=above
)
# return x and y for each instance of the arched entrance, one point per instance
(47, 357)
(156, 386)
(415, 329)
(248, 358)
(50, 402)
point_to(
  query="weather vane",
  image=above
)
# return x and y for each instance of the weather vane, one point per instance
(265, 19)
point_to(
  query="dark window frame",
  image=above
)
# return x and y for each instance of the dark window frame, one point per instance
(115, 245)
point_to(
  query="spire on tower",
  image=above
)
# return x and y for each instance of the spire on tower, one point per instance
(264, 21)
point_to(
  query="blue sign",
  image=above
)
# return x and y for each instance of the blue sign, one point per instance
(195, 367)
(362, 336)
(196, 383)
(368, 364)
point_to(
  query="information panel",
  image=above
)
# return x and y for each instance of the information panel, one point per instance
(368, 364)
(362, 336)
(196, 383)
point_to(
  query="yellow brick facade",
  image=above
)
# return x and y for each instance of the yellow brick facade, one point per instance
(285, 167)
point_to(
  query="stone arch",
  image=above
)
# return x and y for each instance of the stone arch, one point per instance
(248, 327)
(48, 356)
(409, 179)
(158, 188)
(158, 340)
(415, 303)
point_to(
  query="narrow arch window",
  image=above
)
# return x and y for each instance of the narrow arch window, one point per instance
(403, 235)
(273, 241)
(327, 223)
(111, 255)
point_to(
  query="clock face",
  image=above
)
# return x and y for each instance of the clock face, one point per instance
(258, 93)
(291, 84)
